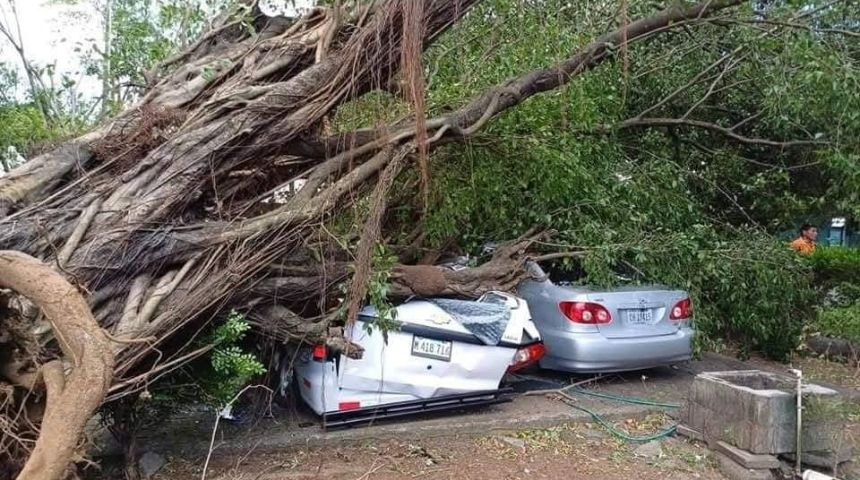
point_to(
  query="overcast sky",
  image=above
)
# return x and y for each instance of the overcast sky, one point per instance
(51, 32)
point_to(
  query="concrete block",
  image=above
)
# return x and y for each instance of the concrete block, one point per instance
(827, 459)
(756, 411)
(688, 432)
(747, 459)
(736, 471)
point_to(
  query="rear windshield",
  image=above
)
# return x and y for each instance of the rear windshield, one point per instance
(569, 275)
(574, 274)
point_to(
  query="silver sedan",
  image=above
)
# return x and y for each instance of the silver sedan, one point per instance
(611, 330)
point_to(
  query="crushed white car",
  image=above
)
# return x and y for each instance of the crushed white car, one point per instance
(445, 354)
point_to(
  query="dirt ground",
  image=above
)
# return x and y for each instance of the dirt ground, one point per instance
(568, 451)
(817, 369)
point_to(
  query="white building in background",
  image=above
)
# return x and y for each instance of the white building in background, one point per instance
(285, 8)
(281, 194)
(10, 158)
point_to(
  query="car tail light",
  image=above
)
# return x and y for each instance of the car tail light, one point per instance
(682, 310)
(527, 356)
(319, 353)
(585, 312)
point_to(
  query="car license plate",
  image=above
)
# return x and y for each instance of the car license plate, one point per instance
(642, 316)
(431, 348)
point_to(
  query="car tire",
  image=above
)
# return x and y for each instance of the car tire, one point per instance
(284, 385)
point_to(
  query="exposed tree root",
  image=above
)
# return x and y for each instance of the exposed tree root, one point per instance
(71, 399)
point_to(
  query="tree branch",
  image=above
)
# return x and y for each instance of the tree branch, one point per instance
(728, 67)
(556, 255)
(517, 90)
(801, 26)
(728, 132)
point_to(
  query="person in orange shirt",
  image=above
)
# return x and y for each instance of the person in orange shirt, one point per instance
(805, 243)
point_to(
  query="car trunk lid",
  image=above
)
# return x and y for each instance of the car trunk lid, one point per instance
(638, 311)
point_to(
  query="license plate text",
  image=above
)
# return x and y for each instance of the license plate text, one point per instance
(431, 348)
(638, 316)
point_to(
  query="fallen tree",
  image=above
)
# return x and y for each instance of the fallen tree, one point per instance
(175, 210)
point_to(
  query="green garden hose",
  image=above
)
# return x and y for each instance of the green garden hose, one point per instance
(619, 398)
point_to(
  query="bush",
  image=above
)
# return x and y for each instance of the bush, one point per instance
(841, 322)
(835, 265)
(837, 280)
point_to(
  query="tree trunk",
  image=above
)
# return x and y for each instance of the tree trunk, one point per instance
(108, 88)
(37, 88)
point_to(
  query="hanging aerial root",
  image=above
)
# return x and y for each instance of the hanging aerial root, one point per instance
(80, 229)
(370, 233)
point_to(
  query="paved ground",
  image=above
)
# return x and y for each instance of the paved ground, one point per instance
(567, 451)
(293, 445)
(668, 384)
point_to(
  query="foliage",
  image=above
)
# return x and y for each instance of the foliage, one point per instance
(181, 21)
(377, 290)
(837, 279)
(640, 223)
(136, 46)
(217, 378)
(840, 322)
(144, 34)
(687, 208)
(21, 125)
(8, 84)
(231, 366)
(236, 368)
(233, 330)
(378, 287)
(835, 265)
(137, 35)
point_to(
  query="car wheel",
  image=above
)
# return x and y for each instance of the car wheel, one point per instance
(284, 387)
